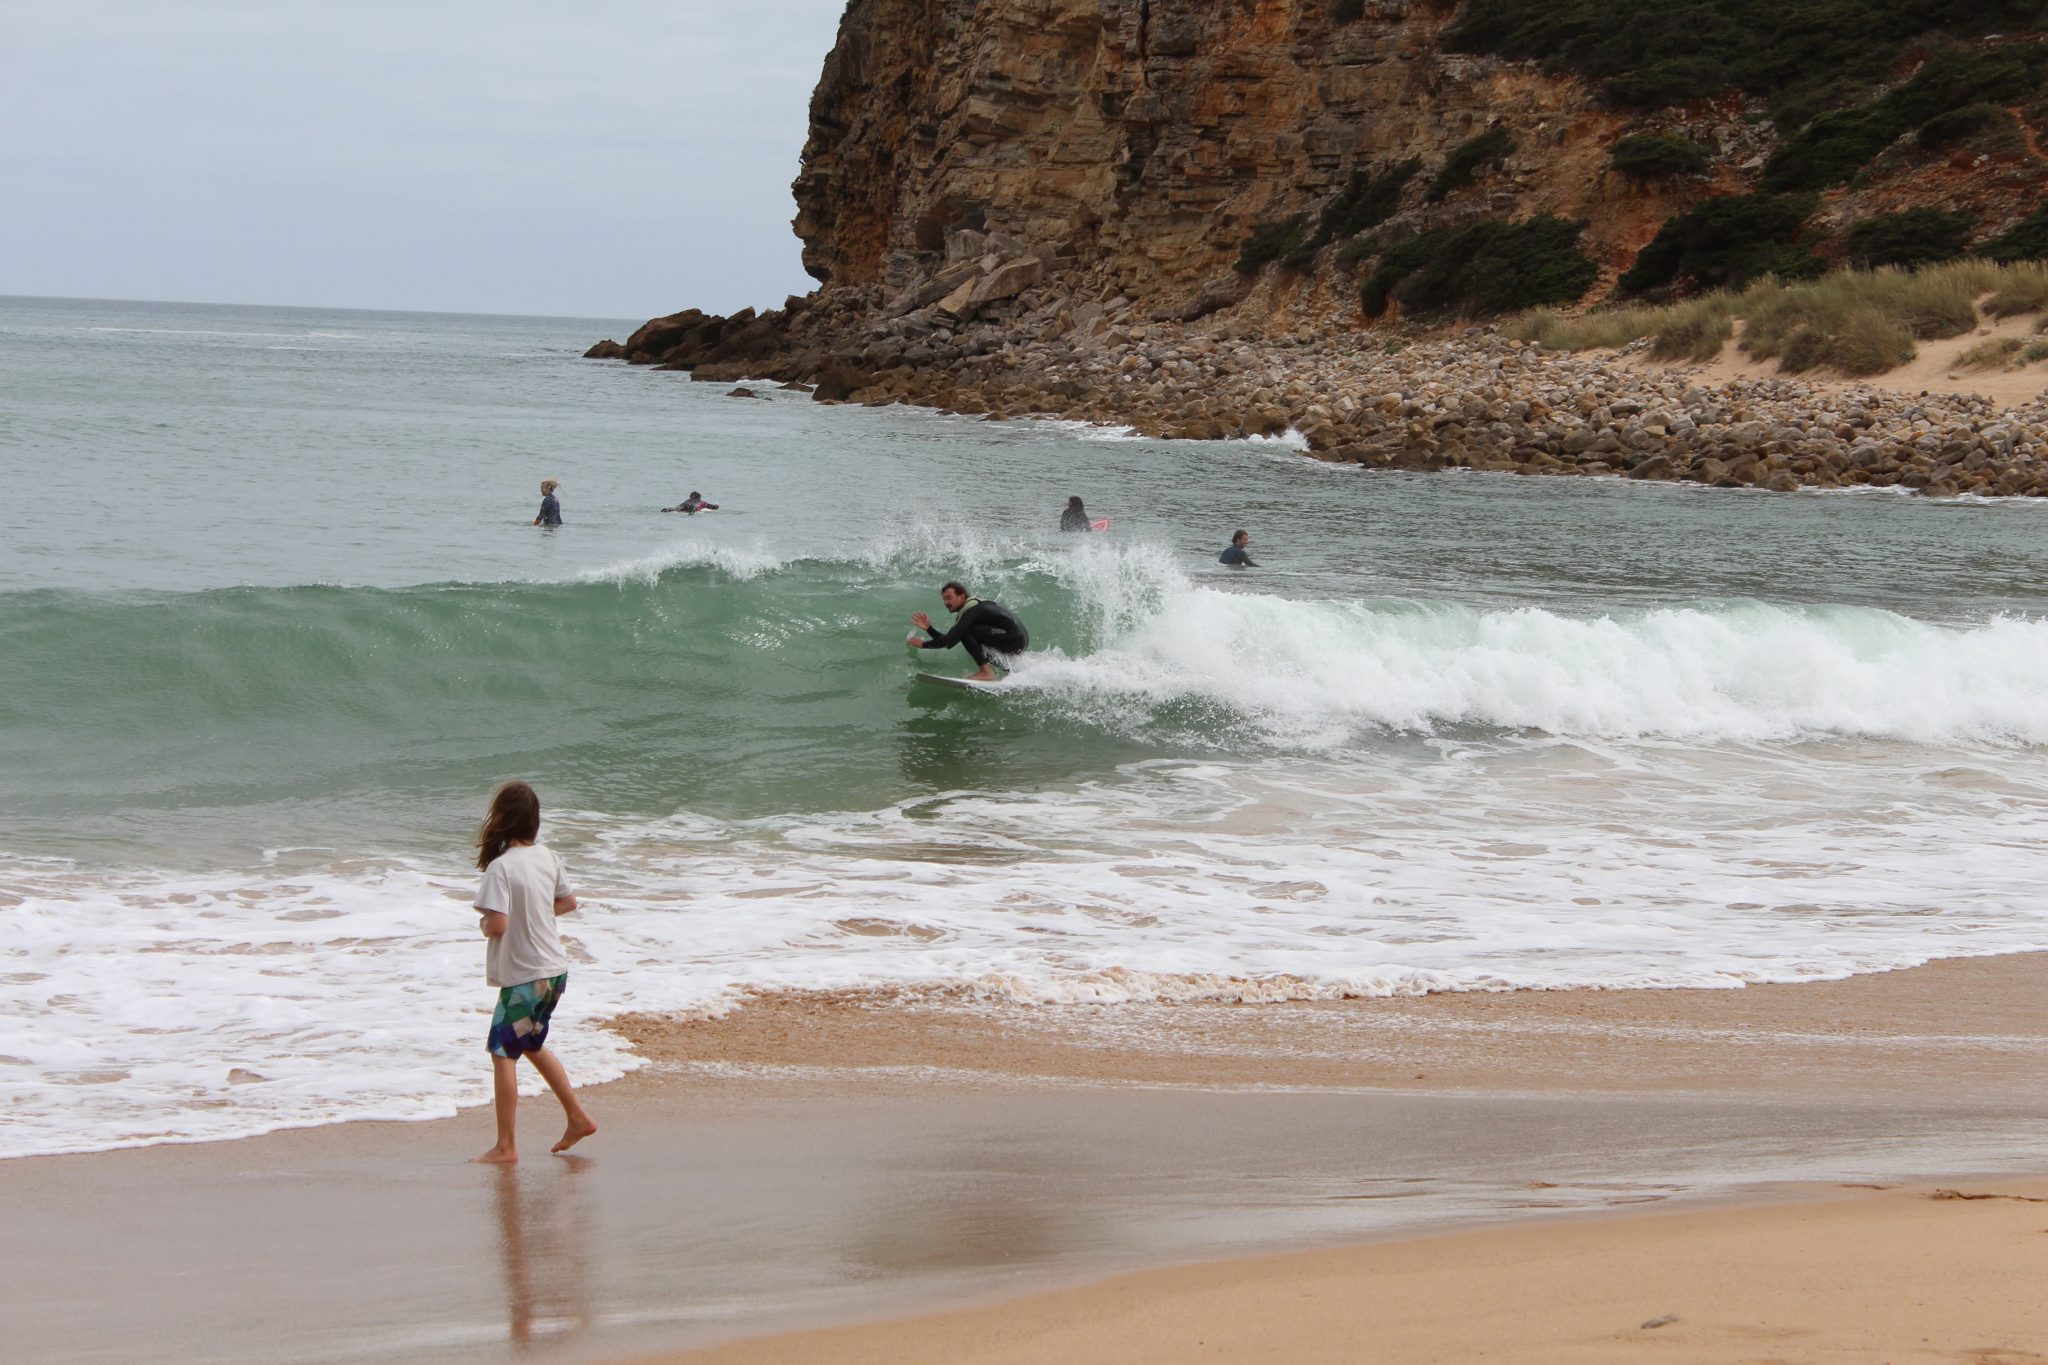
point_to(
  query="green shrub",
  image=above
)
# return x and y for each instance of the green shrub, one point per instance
(1653, 156)
(1285, 240)
(1960, 125)
(1358, 249)
(1727, 242)
(1802, 55)
(1492, 266)
(1835, 146)
(2036, 352)
(1469, 158)
(1370, 199)
(1949, 81)
(1911, 238)
(1832, 148)
(2027, 241)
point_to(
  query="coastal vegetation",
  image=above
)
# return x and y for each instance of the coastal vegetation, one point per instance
(2026, 241)
(1833, 147)
(1370, 198)
(1727, 242)
(1286, 240)
(1860, 322)
(1491, 266)
(1657, 156)
(1802, 56)
(1468, 159)
(1913, 237)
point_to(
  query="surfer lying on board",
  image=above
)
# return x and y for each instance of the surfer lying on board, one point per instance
(985, 629)
(692, 505)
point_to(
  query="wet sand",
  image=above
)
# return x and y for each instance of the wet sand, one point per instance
(815, 1161)
(1924, 1274)
(1970, 1028)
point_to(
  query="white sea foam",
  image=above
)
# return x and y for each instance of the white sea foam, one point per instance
(739, 562)
(1313, 672)
(147, 1008)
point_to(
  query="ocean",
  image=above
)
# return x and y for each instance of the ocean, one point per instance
(274, 620)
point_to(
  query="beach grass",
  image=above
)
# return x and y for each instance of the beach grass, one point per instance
(1860, 322)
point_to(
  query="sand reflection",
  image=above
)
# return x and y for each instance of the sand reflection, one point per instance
(542, 1237)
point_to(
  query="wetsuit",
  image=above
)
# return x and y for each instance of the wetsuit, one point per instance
(1237, 557)
(692, 506)
(1071, 520)
(982, 628)
(550, 511)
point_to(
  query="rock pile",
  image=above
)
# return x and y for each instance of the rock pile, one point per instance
(989, 334)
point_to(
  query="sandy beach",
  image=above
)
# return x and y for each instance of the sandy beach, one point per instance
(948, 1158)
(1913, 1273)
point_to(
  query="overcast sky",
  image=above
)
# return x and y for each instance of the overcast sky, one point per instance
(615, 159)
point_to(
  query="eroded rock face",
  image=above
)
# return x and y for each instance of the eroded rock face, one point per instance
(1037, 206)
(1150, 135)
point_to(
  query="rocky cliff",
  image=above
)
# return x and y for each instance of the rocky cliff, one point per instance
(1003, 200)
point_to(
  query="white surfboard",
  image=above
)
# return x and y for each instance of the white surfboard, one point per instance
(965, 684)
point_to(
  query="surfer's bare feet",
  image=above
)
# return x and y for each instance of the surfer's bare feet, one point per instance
(500, 1155)
(577, 1130)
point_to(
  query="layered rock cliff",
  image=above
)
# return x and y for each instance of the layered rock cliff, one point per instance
(1004, 199)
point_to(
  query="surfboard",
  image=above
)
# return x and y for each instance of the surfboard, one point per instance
(1099, 524)
(964, 684)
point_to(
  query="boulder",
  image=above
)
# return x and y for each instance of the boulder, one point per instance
(959, 305)
(606, 350)
(1008, 281)
(838, 381)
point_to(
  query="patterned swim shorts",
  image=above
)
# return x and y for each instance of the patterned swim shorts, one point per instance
(520, 1022)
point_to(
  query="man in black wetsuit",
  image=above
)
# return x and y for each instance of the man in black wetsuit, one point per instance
(985, 629)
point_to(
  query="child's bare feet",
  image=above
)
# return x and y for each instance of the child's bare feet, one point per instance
(500, 1155)
(577, 1130)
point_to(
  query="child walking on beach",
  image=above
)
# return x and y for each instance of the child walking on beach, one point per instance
(523, 890)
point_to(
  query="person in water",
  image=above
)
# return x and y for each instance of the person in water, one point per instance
(692, 505)
(989, 631)
(1238, 555)
(1075, 518)
(550, 505)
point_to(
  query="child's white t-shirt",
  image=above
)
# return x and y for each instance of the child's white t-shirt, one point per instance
(522, 884)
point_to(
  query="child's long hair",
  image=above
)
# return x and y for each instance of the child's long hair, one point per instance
(514, 818)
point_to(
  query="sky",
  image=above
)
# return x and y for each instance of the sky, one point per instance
(619, 159)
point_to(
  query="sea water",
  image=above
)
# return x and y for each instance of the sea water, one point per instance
(274, 620)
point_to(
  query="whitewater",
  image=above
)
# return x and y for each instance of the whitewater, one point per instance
(1457, 733)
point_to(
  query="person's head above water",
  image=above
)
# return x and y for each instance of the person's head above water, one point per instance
(954, 596)
(549, 485)
(1074, 503)
(1239, 538)
(693, 494)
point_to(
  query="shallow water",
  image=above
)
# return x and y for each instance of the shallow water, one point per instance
(273, 621)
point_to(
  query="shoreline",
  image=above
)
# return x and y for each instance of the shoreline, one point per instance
(1479, 400)
(1785, 1275)
(756, 1186)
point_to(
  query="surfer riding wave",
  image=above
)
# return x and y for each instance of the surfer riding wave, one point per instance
(988, 631)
